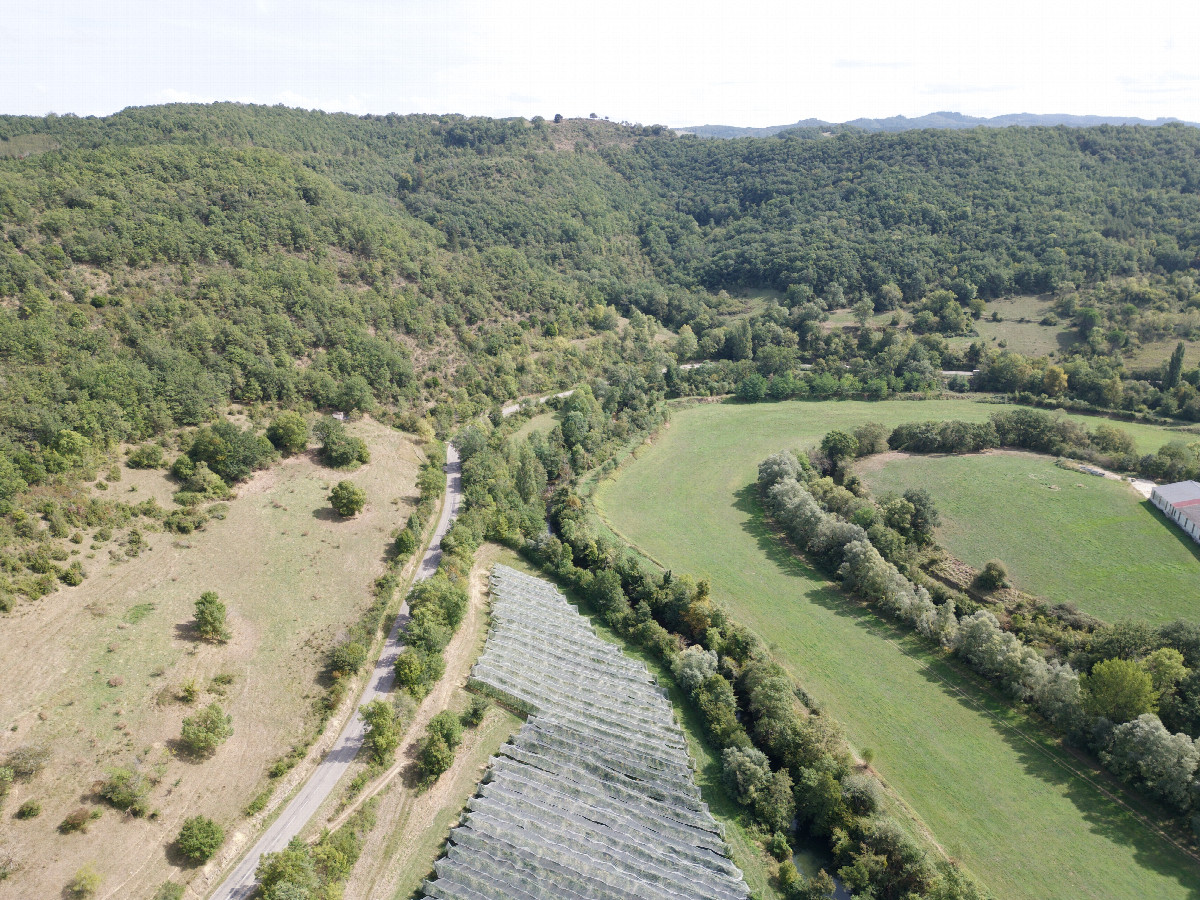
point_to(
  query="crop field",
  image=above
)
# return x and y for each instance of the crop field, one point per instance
(1063, 536)
(94, 673)
(993, 789)
(594, 796)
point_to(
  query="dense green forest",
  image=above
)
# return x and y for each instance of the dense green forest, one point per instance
(161, 263)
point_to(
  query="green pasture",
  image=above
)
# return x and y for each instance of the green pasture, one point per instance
(1063, 536)
(994, 790)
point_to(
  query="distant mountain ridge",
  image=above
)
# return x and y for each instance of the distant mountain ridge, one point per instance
(943, 120)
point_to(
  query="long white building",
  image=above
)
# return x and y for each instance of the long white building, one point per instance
(1180, 502)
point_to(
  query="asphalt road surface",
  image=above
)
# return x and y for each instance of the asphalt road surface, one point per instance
(241, 882)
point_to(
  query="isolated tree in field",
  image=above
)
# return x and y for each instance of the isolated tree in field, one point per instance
(207, 730)
(863, 310)
(288, 432)
(1119, 690)
(210, 617)
(347, 499)
(199, 838)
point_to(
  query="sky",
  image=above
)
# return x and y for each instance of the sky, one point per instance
(752, 62)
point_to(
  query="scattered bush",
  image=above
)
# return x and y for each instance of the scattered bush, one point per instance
(204, 732)
(147, 456)
(126, 789)
(169, 891)
(347, 499)
(26, 761)
(30, 809)
(199, 838)
(76, 820)
(475, 711)
(338, 449)
(85, 883)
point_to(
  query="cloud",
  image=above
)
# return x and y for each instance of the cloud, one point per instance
(965, 88)
(871, 64)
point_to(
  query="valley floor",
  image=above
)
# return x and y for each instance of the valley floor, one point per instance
(994, 790)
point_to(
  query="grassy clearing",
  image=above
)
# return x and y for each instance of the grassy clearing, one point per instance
(1158, 353)
(542, 422)
(994, 790)
(1064, 536)
(94, 671)
(757, 867)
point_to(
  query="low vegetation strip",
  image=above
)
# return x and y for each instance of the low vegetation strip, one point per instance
(595, 796)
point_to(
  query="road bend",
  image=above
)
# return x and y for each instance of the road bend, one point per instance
(241, 883)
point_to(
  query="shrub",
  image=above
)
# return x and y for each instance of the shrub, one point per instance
(347, 499)
(169, 891)
(347, 658)
(474, 713)
(993, 577)
(76, 820)
(383, 732)
(85, 883)
(447, 726)
(338, 449)
(6, 780)
(126, 789)
(26, 761)
(30, 809)
(199, 838)
(204, 732)
(288, 432)
(147, 456)
(779, 847)
(434, 758)
(210, 617)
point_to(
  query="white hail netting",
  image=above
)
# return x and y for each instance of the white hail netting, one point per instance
(593, 799)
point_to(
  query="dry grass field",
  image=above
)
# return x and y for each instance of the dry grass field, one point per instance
(94, 673)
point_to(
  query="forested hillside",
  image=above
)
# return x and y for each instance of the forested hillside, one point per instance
(160, 263)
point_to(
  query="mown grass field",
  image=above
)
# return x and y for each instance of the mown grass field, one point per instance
(1064, 536)
(94, 672)
(994, 790)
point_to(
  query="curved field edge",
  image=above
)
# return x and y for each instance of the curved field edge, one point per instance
(1063, 535)
(993, 788)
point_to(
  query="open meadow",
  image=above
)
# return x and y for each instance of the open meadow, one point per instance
(994, 790)
(1064, 536)
(95, 673)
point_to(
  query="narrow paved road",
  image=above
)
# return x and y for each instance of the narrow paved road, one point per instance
(241, 883)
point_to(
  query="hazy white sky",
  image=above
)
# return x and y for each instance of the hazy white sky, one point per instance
(752, 62)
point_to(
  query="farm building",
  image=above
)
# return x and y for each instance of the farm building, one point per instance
(1180, 503)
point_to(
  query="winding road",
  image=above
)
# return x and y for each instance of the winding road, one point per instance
(241, 882)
